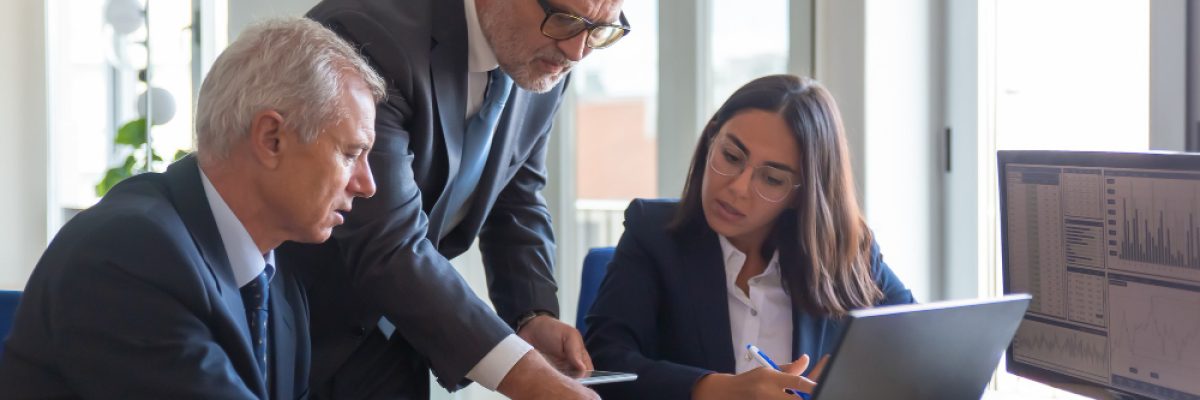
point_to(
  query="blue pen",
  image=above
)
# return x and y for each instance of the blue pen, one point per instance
(766, 362)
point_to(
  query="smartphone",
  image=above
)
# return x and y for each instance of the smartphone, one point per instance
(593, 377)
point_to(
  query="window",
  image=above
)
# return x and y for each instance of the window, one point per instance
(749, 40)
(96, 52)
(615, 138)
(1083, 88)
(83, 108)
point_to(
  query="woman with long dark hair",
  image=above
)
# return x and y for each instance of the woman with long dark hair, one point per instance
(767, 246)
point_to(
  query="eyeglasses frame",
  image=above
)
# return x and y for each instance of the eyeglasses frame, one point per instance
(712, 147)
(588, 25)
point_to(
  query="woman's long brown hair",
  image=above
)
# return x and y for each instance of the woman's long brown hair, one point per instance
(823, 234)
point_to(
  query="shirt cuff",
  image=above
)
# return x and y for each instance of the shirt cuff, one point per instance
(495, 365)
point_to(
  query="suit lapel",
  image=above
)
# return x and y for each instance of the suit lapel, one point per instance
(448, 67)
(187, 193)
(282, 342)
(706, 272)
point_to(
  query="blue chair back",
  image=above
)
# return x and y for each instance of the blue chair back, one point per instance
(595, 264)
(8, 308)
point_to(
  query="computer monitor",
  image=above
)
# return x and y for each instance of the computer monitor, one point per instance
(1108, 244)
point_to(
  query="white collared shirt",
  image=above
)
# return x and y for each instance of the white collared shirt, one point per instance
(480, 59)
(764, 317)
(245, 260)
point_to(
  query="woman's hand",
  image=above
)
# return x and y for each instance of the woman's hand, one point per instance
(813, 375)
(759, 383)
(801, 363)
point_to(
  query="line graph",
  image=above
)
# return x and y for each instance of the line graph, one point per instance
(1166, 333)
(1155, 333)
(1084, 353)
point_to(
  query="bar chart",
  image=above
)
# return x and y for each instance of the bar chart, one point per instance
(1153, 224)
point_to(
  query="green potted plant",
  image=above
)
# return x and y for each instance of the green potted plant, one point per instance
(131, 135)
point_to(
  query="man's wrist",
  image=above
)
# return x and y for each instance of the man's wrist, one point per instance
(529, 316)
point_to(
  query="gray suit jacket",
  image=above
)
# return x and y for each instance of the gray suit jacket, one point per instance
(387, 260)
(135, 299)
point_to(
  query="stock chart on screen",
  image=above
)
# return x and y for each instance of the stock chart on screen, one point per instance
(1108, 244)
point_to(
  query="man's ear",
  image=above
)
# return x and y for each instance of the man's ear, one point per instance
(267, 139)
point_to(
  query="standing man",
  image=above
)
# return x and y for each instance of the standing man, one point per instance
(168, 288)
(473, 88)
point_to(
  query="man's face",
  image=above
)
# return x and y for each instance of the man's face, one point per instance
(536, 62)
(317, 181)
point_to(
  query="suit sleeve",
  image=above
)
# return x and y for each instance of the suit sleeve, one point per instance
(894, 291)
(392, 264)
(517, 243)
(623, 325)
(131, 326)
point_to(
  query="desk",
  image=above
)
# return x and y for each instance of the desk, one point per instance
(1024, 389)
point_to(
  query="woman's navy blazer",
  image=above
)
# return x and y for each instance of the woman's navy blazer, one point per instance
(662, 312)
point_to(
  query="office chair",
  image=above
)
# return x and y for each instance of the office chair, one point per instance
(595, 264)
(8, 309)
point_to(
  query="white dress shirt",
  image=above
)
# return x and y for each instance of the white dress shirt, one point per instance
(480, 59)
(762, 318)
(244, 258)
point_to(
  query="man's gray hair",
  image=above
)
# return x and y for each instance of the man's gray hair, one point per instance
(292, 65)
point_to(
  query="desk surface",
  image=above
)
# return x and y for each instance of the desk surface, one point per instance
(1029, 390)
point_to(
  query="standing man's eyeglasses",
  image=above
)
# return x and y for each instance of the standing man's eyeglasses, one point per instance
(560, 25)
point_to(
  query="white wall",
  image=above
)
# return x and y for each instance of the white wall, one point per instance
(23, 149)
(881, 60)
(245, 12)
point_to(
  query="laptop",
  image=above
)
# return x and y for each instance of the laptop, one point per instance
(943, 350)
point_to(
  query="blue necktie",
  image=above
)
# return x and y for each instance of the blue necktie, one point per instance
(477, 141)
(255, 296)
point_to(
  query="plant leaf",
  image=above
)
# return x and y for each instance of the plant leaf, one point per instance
(111, 178)
(180, 154)
(133, 133)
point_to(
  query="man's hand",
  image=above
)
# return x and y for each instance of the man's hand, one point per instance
(532, 378)
(558, 342)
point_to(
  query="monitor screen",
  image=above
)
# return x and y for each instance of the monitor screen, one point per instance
(1108, 244)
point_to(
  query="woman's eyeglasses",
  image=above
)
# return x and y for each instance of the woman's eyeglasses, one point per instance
(771, 183)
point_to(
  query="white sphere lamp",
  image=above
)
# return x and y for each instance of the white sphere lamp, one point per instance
(162, 106)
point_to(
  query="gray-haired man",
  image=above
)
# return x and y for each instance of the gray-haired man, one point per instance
(168, 287)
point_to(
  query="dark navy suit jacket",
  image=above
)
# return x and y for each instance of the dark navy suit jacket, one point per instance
(391, 258)
(662, 310)
(135, 299)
